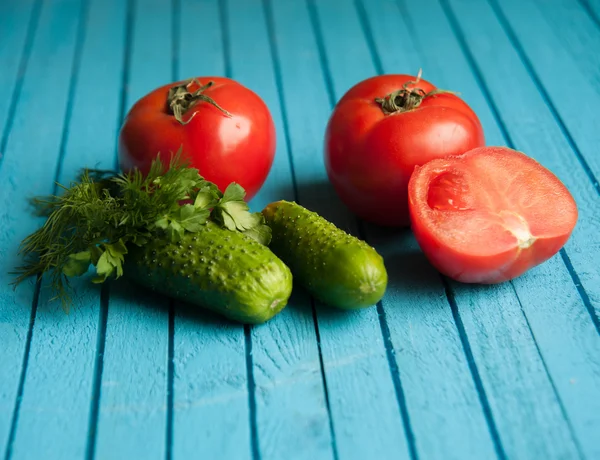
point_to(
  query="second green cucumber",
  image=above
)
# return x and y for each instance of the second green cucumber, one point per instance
(335, 267)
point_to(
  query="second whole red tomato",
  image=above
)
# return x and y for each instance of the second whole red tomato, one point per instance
(381, 129)
(224, 129)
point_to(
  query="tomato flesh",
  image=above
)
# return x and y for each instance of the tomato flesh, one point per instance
(489, 215)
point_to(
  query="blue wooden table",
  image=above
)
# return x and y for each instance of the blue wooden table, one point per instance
(438, 370)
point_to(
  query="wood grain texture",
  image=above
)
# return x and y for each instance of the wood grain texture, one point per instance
(18, 21)
(507, 371)
(365, 416)
(431, 35)
(210, 402)
(582, 135)
(132, 411)
(286, 368)
(544, 140)
(557, 41)
(578, 31)
(539, 410)
(55, 408)
(593, 8)
(428, 349)
(44, 98)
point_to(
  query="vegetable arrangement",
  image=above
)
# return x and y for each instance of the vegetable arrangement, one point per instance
(394, 142)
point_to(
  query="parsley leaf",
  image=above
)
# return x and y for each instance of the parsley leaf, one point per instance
(207, 197)
(233, 212)
(261, 233)
(77, 264)
(192, 218)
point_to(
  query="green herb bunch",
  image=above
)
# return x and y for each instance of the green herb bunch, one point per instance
(98, 216)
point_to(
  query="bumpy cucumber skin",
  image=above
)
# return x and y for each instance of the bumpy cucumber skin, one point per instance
(335, 267)
(215, 268)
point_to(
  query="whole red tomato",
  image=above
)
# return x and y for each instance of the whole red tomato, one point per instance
(224, 129)
(489, 215)
(381, 129)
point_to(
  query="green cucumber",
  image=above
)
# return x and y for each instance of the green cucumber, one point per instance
(224, 271)
(335, 267)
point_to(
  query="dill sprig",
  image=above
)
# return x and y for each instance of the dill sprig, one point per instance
(95, 219)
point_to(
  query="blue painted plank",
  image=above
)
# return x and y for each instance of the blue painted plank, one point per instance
(593, 8)
(133, 396)
(578, 31)
(573, 353)
(557, 61)
(581, 37)
(55, 411)
(521, 423)
(132, 413)
(210, 401)
(18, 21)
(365, 416)
(440, 334)
(291, 414)
(427, 345)
(28, 168)
(210, 407)
(549, 58)
(433, 37)
(14, 34)
(429, 355)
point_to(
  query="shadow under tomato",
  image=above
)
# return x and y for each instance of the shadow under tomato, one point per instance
(408, 268)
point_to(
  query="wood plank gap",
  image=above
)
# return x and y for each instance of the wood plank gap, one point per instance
(383, 324)
(474, 371)
(584, 296)
(538, 84)
(389, 349)
(551, 380)
(503, 129)
(366, 28)
(105, 292)
(98, 368)
(279, 83)
(574, 277)
(282, 104)
(129, 25)
(175, 48)
(591, 13)
(390, 353)
(170, 380)
(22, 69)
(15, 417)
(251, 384)
(324, 378)
(254, 444)
(175, 42)
(476, 72)
(80, 37)
(314, 20)
(225, 37)
(400, 396)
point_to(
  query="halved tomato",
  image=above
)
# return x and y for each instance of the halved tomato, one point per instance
(489, 215)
